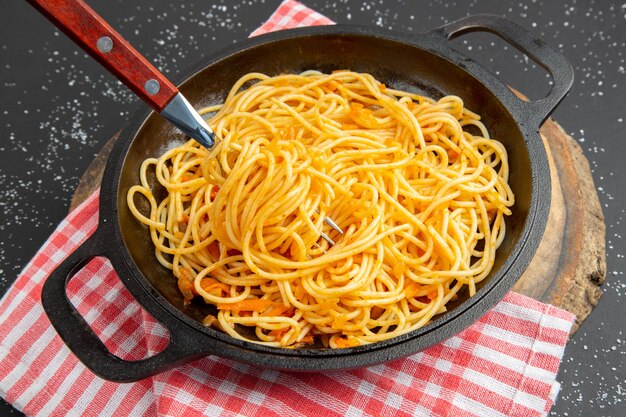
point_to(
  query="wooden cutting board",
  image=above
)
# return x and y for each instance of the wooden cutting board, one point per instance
(570, 264)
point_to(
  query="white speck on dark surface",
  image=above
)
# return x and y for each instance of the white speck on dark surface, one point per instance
(58, 108)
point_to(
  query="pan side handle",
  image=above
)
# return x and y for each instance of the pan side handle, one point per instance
(554, 62)
(81, 339)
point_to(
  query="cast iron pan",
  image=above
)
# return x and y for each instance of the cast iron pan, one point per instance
(422, 63)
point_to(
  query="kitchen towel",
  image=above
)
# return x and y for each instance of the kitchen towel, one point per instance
(503, 365)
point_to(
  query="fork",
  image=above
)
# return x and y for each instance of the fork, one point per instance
(92, 33)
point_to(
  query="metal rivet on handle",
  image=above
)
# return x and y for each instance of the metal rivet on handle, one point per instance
(104, 44)
(152, 86)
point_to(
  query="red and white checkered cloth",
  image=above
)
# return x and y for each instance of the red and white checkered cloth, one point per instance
(504, 365)
(291, 14)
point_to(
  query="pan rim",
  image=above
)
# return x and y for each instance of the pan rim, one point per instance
(479, 304)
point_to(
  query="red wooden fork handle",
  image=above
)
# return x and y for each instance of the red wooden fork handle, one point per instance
(87, 29)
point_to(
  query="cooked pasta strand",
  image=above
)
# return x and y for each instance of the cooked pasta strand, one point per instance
(421, 201)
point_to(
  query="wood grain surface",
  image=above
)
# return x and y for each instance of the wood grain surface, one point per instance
(570, 264)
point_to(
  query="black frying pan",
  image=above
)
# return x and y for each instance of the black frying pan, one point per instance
(421, 63)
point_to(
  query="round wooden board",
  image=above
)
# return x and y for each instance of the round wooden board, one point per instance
(570, 264)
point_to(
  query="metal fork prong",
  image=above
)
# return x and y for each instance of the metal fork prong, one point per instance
(334, 225)
(331, 223)
(327, 239)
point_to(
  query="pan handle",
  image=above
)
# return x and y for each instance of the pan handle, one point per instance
(82, 340)
(555, 63)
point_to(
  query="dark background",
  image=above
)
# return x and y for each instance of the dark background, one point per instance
(57, 109)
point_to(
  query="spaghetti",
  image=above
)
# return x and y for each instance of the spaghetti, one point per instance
(421, 201)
